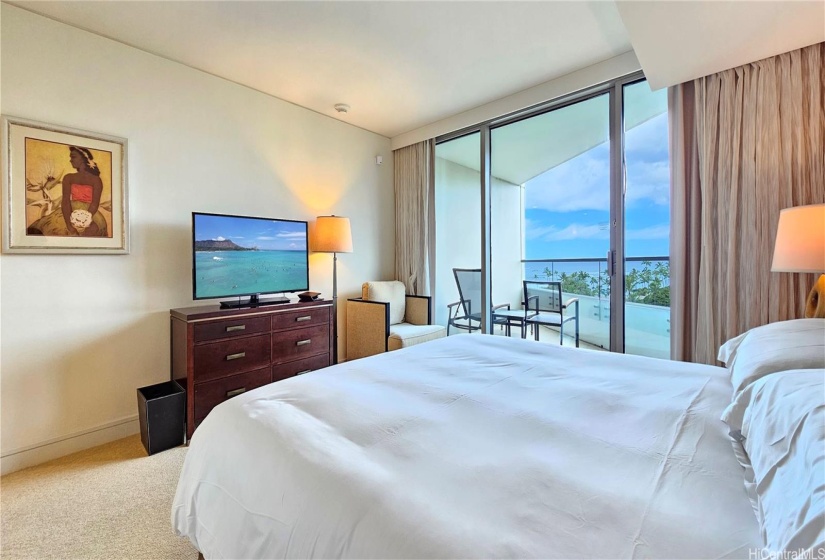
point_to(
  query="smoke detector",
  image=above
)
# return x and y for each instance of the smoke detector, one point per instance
(341, 107)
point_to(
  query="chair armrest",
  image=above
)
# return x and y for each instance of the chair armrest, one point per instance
(418, 310)
(503, 305)
(368, 327)
(454, 315)
(571, 301)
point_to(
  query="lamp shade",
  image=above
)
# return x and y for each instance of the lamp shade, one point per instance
(332, 235)
(800, 240)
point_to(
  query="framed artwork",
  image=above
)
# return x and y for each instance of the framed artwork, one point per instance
(64, 190)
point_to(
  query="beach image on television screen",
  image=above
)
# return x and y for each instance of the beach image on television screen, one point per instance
(240, 256)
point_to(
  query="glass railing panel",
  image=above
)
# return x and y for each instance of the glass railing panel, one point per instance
(647, 293)
(587, 280)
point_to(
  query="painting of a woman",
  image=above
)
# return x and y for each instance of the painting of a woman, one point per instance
(78, 214)
(52, 208)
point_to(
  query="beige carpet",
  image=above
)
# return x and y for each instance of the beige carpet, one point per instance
(111, 501)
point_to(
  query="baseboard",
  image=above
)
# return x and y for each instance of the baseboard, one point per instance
(31, 455)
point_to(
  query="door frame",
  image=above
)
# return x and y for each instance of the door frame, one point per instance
(617, 185)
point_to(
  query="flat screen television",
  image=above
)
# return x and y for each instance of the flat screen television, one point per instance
(245, 257)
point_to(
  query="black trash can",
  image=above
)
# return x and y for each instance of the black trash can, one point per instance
(161, 409)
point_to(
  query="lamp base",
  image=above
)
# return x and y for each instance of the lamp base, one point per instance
(815, 305)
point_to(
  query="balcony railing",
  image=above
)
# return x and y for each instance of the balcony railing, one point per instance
(647, 296)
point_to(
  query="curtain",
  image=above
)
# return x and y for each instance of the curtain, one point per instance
(414, 168)
(685, 237)
(745, 143)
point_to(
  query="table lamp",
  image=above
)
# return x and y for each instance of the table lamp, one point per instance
(800, 247)
(333, 235)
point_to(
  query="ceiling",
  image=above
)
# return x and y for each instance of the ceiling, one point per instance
(679, 41)
(401, 65)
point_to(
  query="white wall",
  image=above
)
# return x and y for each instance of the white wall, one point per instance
(81, 333)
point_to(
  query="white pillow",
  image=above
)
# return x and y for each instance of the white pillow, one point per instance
(733, 416)
(782, 425)
(392, 292)
(780, 346)
(745, 462)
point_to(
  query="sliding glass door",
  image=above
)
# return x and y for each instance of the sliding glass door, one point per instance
(560, 162)
(577, 193)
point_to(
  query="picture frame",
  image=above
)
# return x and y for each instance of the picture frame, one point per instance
(64, 190)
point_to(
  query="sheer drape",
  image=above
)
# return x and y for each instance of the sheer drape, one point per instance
(414, 178)
(745, 143)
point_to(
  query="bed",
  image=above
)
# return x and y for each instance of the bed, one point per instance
(472, 446)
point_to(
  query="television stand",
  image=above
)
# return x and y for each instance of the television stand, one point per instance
(253, 301)
(219, 353)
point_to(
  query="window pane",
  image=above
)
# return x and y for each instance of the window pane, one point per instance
(457, 218)
(647, 222)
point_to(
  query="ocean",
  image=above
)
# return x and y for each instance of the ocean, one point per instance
(536, 270)
(228, 273)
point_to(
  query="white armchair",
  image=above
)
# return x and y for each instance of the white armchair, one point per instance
(385, 318)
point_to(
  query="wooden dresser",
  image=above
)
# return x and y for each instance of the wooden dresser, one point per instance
(219, 353)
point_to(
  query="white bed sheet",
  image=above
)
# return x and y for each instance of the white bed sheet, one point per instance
(472, 446)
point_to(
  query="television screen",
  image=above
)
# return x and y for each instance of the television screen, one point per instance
(245, 256)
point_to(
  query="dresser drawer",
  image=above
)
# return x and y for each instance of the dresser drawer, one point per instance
(298, 367)
(217, 351)
(290, 345)
(209, 395)
(219, 359)
(299, 319)
(231, 328)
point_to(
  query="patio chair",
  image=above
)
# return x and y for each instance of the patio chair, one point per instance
(466, 312)
(543, 306)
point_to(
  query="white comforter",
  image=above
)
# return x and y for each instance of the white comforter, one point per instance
(472, 446)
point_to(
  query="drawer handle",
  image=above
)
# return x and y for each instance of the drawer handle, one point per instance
(236, 328)
(236, 356)
(303, 342)
(235, 392)
(303, 372)
(307, 318)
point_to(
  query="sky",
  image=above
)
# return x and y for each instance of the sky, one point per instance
(567, 208)
(265, 234)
